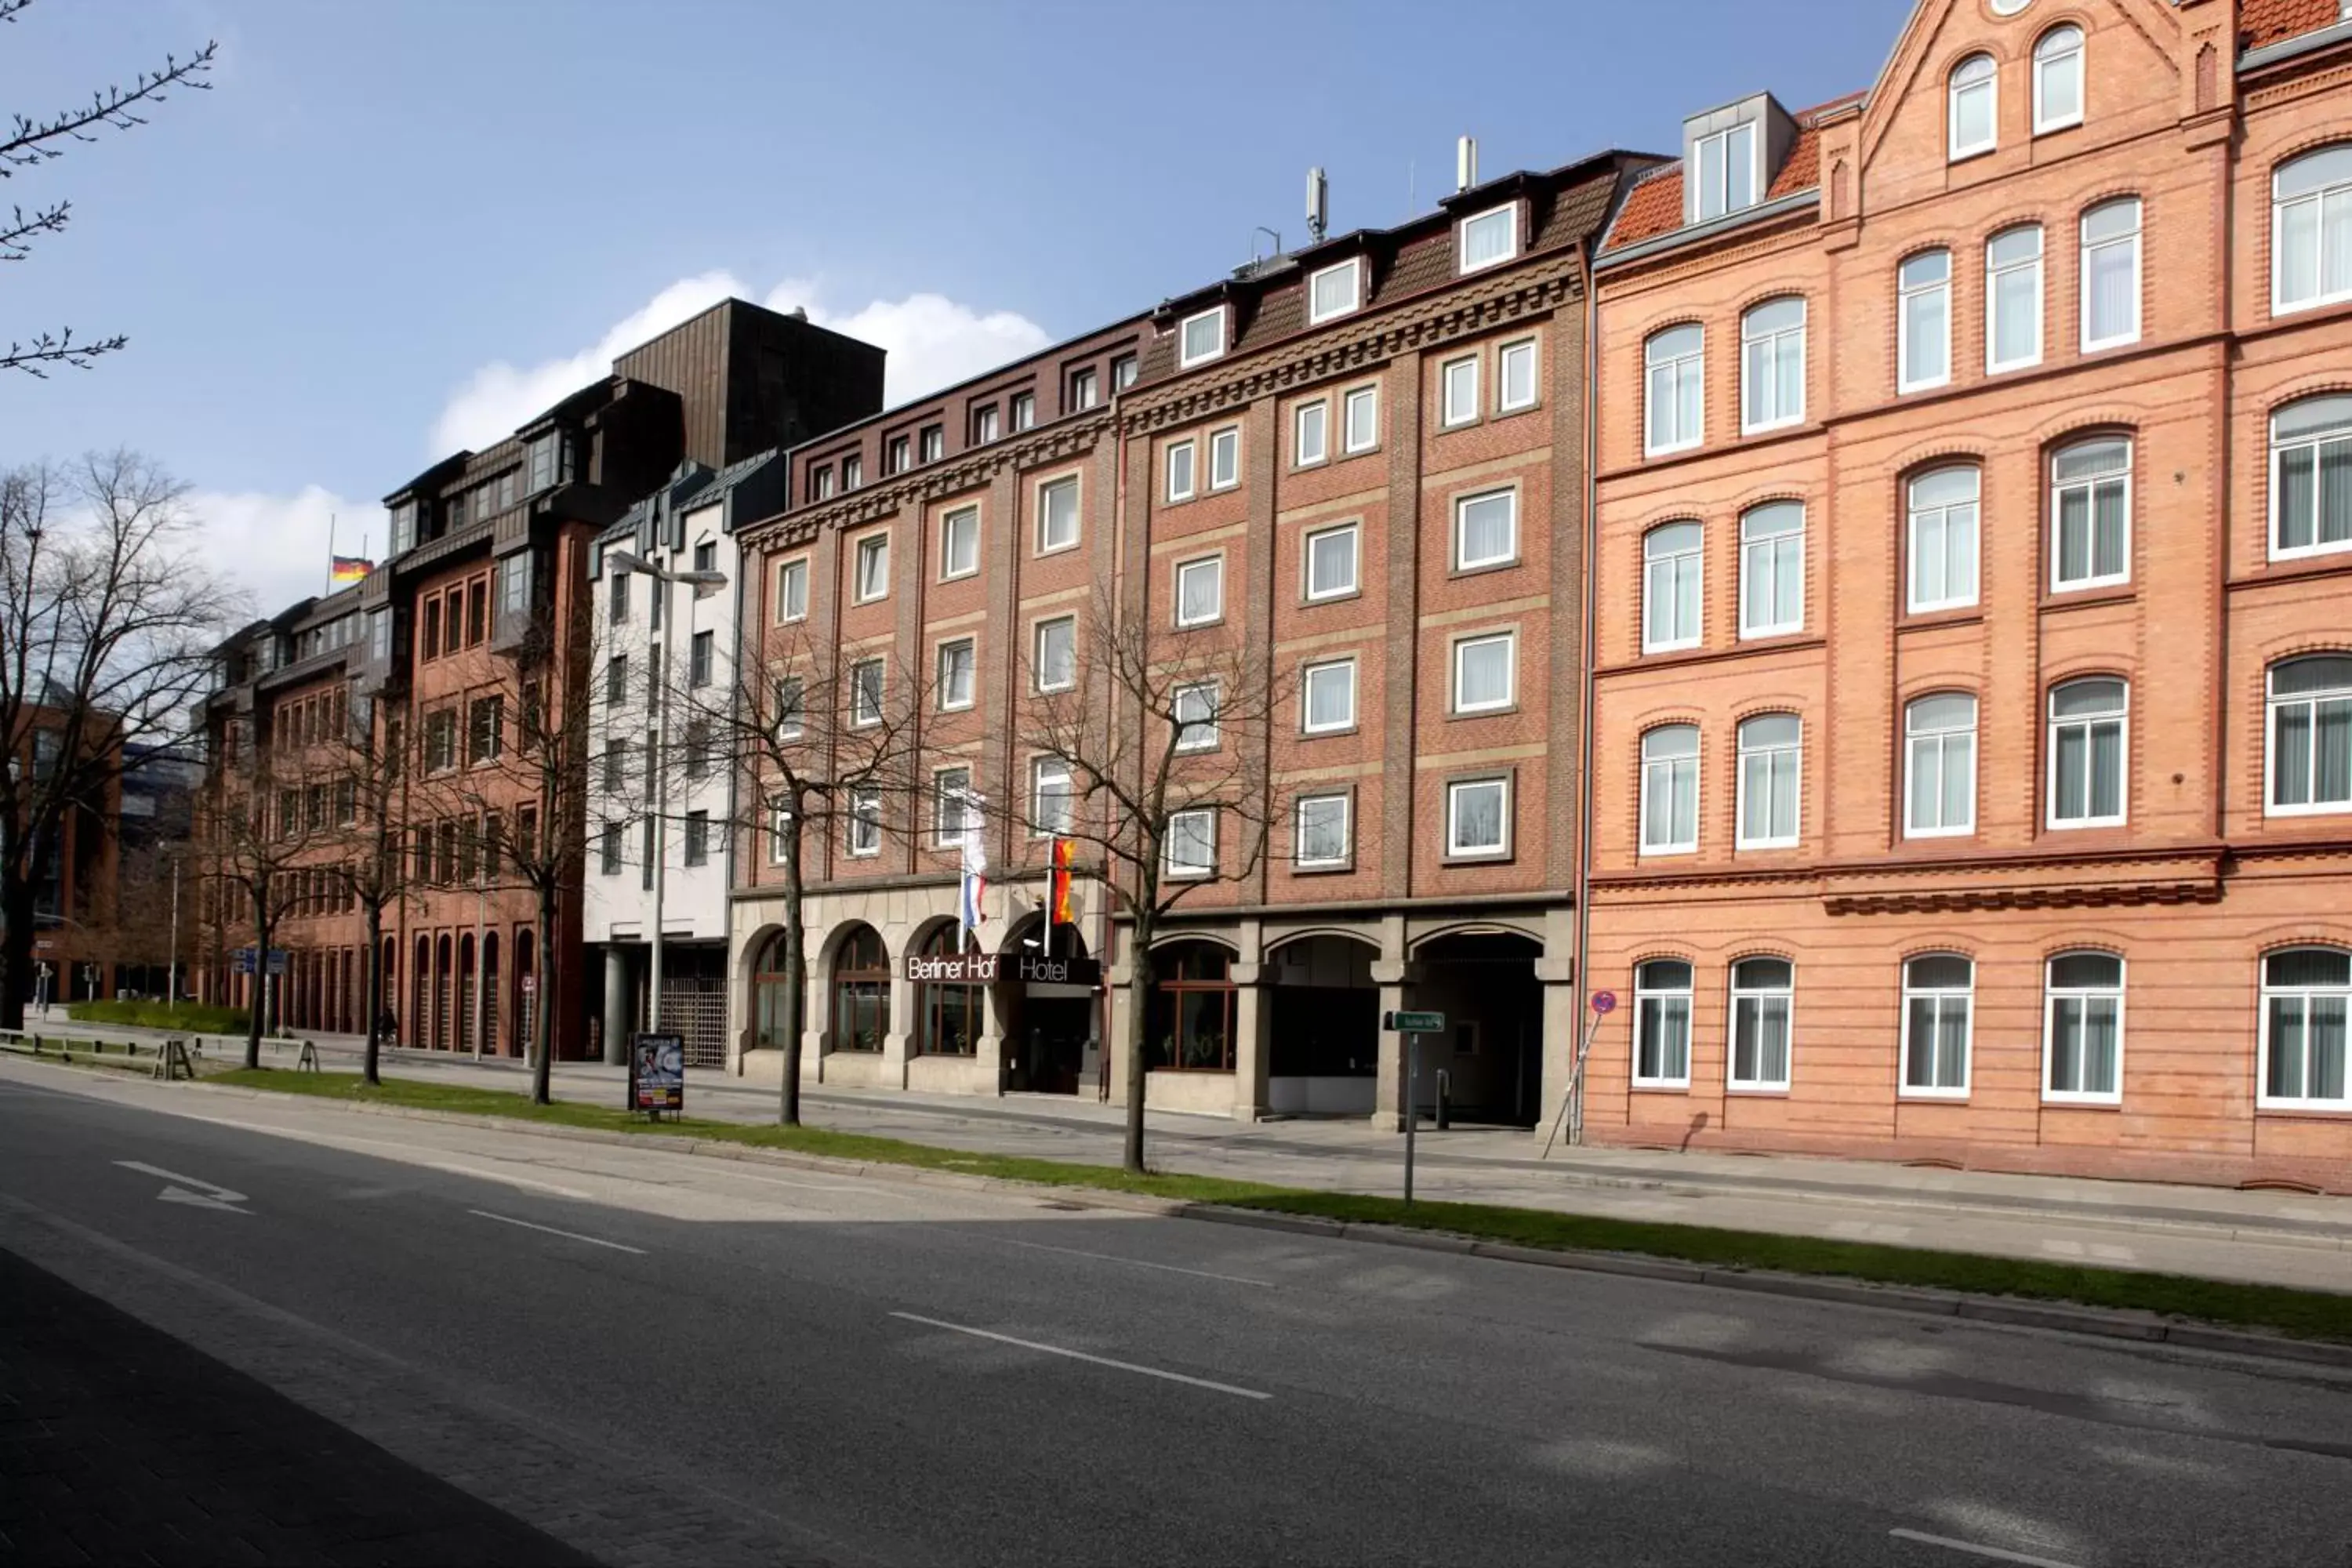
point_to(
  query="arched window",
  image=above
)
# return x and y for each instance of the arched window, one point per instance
(2090, 514)
(2311, 476)
(950, 1021)
(1772, 365)
(1938, 995)
(2058, 80)
(2307, 996)
(1942, 543)
(1940, 765)
(2082, 1029)
(1763, 1005)
(861, 990)
(2111, 274)
(1189, 1021)
(1672, 569)
(1923, 328)
(2087, 753)
(1661, 1023)
(1973, 107)
(1772, 570)
(490, 1006)
(2311, 230)
(2309, 766)
(1769, 745)
(1675, 367)
(2013, 298)
(775, 1019)
(1670, 790)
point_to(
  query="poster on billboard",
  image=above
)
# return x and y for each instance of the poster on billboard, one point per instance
(657, 1074)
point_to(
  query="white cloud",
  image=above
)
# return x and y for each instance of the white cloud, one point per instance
(276, 547)
(932, 341)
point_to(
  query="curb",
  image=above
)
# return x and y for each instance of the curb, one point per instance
(2116, 1323)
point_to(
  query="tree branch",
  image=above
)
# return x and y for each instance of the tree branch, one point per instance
(34, 140)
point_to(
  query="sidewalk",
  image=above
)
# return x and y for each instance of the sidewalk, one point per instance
(2270, 1238)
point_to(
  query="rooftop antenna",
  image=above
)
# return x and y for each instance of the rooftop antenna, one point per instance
(1273, 233)
(1465, 162)
(1319, 206)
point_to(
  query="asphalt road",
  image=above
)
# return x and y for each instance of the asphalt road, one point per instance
(656, 1358)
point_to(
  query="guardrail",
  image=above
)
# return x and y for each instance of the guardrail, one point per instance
(174, 1056)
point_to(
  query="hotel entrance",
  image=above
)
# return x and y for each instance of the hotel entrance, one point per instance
(1052, 1011)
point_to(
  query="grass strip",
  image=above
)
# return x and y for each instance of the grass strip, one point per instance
(2303, 1314)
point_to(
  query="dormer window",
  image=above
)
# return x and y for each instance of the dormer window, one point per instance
(821, 483)
(935, 443)
(1724, 167)
(1490, 238)
(1085, 390)
(1335, 290)
(404, 526)
(1201, 338)
(852, 471)
(549, 460)
(898, 452)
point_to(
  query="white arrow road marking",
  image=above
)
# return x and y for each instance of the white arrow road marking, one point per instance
(213, 1197)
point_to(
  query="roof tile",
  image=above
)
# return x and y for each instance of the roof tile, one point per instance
(2262, 22)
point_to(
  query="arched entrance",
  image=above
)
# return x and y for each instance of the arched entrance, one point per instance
(420, 982)
(1052, 1030)
(1189, 1025)
(861, 990)
(772, 1027)
(1323, 1028)
(527, 994)
(443, 978)
(1485, 983)
(490, 997)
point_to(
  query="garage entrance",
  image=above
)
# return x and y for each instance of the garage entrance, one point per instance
(1485, 983)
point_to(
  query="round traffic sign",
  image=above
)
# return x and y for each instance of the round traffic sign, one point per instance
(1605, 1000)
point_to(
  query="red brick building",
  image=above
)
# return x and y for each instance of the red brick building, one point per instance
(1972, 694)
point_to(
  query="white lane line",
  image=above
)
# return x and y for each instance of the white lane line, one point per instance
(1136, 1262)
(550, 1230)
(1081, 1355)
(1994, 1552)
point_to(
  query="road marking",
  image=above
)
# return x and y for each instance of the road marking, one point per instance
(225, 1199)
(1082, 1355)
(1995, 1553)
(1136, 1262)
(550, 1230)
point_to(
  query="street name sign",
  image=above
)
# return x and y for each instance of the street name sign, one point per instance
(1414, 1023)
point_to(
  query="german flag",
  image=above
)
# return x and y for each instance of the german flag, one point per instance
(350, 568)
(1057, 882)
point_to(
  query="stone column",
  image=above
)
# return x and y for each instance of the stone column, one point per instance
(817, 1014)
(1115, 979)
(988, 1050)
(618, 994)
(899, 1041)
(1563, 1017)
(1395, 978)
(1252, 1018)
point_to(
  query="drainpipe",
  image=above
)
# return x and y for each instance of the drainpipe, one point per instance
(1585, 701)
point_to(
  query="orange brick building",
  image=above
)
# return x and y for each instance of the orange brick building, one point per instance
(1972, 673)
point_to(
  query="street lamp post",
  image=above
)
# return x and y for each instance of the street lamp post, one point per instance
(657, 748)
(172, 982)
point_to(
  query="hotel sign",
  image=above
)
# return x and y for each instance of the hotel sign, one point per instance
(988, 968)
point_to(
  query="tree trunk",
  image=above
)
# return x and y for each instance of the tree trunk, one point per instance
(372, 991)
(1138, 994)
(788, 1111)
(260, 980)
(15, 952)
(542, 1009)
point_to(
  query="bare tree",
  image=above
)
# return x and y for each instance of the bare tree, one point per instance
(107, 617)
(1164, 744)
(30, 142)
(372, 762)
(265, 817)
(819, 739)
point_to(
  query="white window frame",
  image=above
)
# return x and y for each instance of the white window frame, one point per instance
(2272, 705)
(1765, 753)
(1321, 411)
(972, 674)
(943, 837)
(779, 828)
(1037, 682)
(1672, 563)
(1767, 549)
(1955, 149)
(1196, 734)
(1508, 213)
(1354, 267)
(1215, 567)
(949, 571)
(1660, 842)
(865, 822)
(1940, 994)
(1674, 368)
(1994, 273)
(1194, 827)
(1039, 770)
(1462, 504)
(865, 699)
(2088, 723)
(2319, 199)
(1353, 534)
(1298, 856)
(1187, 486)
(1913, 512)
(2264, 1099)
(986, 425)
(1086, 389)
(1504, 402)
(792, 717)
(2043, 122)
(1786, 995)
(1646, 995)
(2051, 995)
(932, 443)
(874, 547)
(1454, 848)
(2092, 487)
(1775, 342)
(852, 471)
(1308, 680)
(1462, 647)
(1368, 397)
(1911, 742)
(2280, 445)
(1708, 202)
(2087, 246)
(898, 453)
(791, 579)
(1046, 489)
(1023, 411)
(1186, 358)
(1904, 294)
(1225, 458)
(1457, 384)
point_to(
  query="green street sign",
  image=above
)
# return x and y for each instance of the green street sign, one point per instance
(1414, 1023)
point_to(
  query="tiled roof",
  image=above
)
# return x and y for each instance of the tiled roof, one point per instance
(2264, 22)
(1655, 206)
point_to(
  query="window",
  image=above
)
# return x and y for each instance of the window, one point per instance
(896, 455)
(1938, 994)
(1194, 709)
(1726, 172)
(1363, 419)
(1058, 515)
(1515, 371)
(548, 457)
(2311, 477)
(861, 992)
(959, 542)
(1191, 845)
(1460, 381)
(2307, 994)
(1483, 672)
(1201, 338)
(791, 590)
(2310, 752)
(701, 658)
(1328, 700)
(1489, 238)
(950, 805)
(983, 425)
(1672, 566)
(779, 832)
(1189, 1018)
(873, 578)
(1477, 818)
(2082, 1029)
(616, 680)
(1763, 1005)
(1485, 529)
(2086, 753)
(866, 691)
(1770, 748)
(1322, 830)
(404, 526)
(1670, 790)
(698, 749)
(698, 837)
(1674, 360)
(957, 663)
(1661, 1023)
(1025, 411)
(2090, 512)
(432, 640)
(616, 765)
(821, 483)
(441, 739)
(1943, 539)
(1331, 562)
(932, 443)
(1310, 437)
(2014, 298)
(2311, 231)
(478, 611)
(1973, 108)
(1334, 291)
(852, 471)
(2058, 80)
(1773, 365)
(485, 730)
(1123, 372)
(1772, 570)
(1201, 591)
(1056, 666)
(705, 556)
(379, 623)
(1924, 329)
(2111, 274)
(1225, 458)
(608, 850)
(792, 711)
(1940, 765)
(1051, 799)
(866, 822)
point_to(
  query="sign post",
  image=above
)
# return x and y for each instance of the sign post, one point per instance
(657, 1074)
(1603, 1004)
(1413, 1026)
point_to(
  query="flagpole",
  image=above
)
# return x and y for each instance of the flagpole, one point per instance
(331, 552)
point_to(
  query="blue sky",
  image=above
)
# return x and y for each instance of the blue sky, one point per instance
(391, 227)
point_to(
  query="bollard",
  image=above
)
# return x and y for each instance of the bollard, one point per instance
(1444, 1086)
